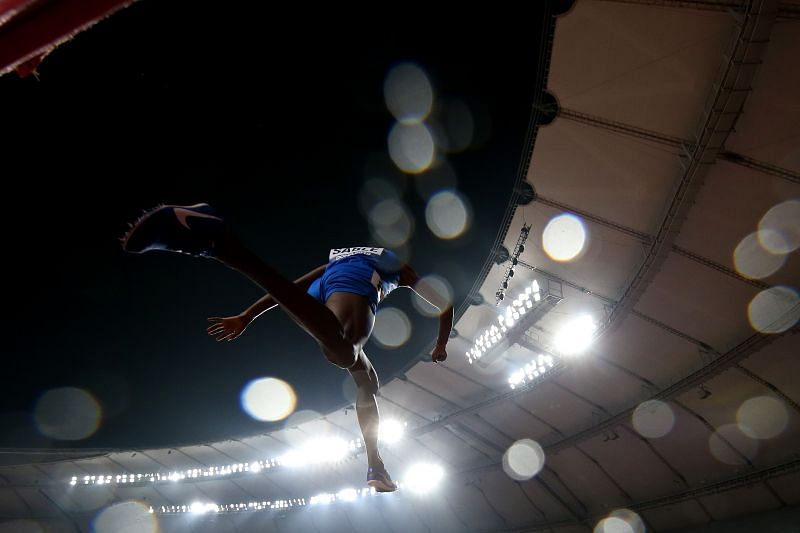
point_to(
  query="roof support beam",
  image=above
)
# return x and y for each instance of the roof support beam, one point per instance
(722, 110)
(744, 480)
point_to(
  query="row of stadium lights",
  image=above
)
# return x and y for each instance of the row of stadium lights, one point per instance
(344, 495)
(495, 333)
(324, 450)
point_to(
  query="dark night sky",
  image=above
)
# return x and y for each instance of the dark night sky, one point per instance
(270, 117)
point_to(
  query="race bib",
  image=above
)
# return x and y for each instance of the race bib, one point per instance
(341, 253)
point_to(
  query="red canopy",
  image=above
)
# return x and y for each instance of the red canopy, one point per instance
(30, 29)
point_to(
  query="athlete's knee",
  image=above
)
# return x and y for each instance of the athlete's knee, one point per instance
(343, 356)
(366, 381)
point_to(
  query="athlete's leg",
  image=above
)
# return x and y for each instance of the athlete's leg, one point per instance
(367, 385)
(355, 315)
(197, 230)
(309, 313)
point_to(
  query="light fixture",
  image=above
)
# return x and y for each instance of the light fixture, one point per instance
(518, 249)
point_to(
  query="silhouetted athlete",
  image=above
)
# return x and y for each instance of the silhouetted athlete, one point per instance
(335, 303)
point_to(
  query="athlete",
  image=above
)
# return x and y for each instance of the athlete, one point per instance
(335, 303)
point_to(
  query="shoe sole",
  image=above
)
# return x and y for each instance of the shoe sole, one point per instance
(380, 486)
(132, 227)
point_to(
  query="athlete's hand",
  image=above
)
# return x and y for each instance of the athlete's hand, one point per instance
(438, 354)
(226, 328)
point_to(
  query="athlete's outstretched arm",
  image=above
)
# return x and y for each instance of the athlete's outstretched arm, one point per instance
(410, 279)
(229, 328)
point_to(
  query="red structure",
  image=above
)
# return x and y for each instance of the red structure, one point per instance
(31, 29)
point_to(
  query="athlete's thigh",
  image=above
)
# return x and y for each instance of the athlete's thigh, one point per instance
(354, 314)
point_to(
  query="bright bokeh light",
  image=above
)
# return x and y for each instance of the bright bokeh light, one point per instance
(408, 93)
(268, 399)
(321, 498)
(423, 477)
(753, 261)
(437, 285)
(411, 147)
(67, 413)
(621, 521)
(779, 228)
(320, 450)
(653, 419)
(564, 237)
(576, 335)
(347, 495)
(202, 508)
(774, 310)
(762, 417)
(390, 223)
(390, 431)
(523, 459)
(126, 517)
(447, 214)
(731, 433)
(392, 327)
(22, 526)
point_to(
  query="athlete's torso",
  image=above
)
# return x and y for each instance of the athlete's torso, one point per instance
(384, 262)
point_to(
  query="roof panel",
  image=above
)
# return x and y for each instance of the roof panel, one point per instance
(758, 134)
(684, 513)
(556, 407)
(788, 487)
(740, 501)
(700, 302)
(647, 350)
(650, 67)
(587, 480)
(635, 467)
(619, 178)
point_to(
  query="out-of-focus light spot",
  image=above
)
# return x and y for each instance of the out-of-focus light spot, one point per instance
(390, 223)
(22, 526)
(67, 413)
(523, 459)
(576, 335)
(564, 237)
(438, 285)
(411, 147)
(129, 516)
(779, 228)
(762, 417)
(753, 261)
(621, 521)
(447, 214)
(408, 93)
(392, 327)
(347, 495)
(730, 433)
(390, 431)
(423, 477)
(653, 419)
(774, 310)
(268, 399)
(612, 525)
